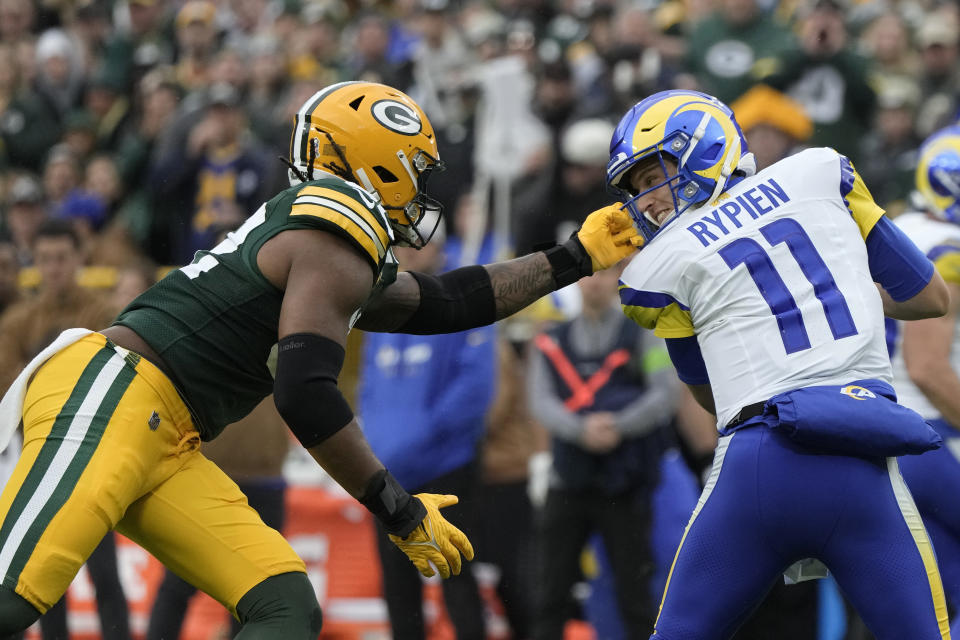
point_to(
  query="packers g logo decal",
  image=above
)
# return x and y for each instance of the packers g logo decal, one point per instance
(857, 392)
(397, 117)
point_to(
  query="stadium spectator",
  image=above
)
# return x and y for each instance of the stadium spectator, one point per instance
(888, 152)
(28, 124)
(60, 72)
(17, 20)
(196, 33)
(61, 175)
(577, 186)
(938, 39)
(735, 47)
(440, 387)
(80, 134)
(268, 89)
(775, 126)
(25, 213)
(138, 42)
(886, 40)
(208, 174)
(441, 63)
(108, 104)
(9, 271)
(829, 78)
(605, 391)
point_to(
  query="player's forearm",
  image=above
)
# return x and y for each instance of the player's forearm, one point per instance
(347, 457)
(461, 299)
(519, 282)
(941, 386)
(930, 302)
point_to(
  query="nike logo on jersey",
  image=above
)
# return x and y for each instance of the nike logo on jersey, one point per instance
(731, 215)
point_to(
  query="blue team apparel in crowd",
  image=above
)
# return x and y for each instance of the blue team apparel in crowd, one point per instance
(436, 400)
(859, 419)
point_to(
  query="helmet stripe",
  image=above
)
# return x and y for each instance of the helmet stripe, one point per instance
(302, 121)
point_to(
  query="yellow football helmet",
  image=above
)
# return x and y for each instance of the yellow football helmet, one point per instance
(376, 137)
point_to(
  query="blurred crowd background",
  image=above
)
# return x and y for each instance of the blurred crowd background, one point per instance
(149, 128)
(154, 125)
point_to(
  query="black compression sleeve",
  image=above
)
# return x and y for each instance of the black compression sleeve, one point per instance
(453, 301)
(305, 389)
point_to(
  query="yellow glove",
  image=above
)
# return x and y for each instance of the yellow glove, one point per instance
(435, 540)
(608, 235)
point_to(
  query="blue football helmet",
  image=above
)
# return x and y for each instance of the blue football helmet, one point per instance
(695, 130)
(938, 174)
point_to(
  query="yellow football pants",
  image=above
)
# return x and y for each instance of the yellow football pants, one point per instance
(109, 444)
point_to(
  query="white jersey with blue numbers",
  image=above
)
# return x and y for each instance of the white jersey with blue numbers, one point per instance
(940, 241)
(773, 280)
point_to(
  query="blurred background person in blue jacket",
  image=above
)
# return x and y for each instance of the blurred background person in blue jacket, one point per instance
(423, 402)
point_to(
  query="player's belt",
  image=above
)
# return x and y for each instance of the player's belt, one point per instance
(745, 413)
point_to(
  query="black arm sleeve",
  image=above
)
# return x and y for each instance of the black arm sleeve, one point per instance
(305, 389)
(453, 301)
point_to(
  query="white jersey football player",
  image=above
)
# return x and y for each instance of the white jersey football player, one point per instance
(926, 354)
(763, 285)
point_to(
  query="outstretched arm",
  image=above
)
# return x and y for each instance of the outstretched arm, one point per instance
(324, 281)
(476, 296)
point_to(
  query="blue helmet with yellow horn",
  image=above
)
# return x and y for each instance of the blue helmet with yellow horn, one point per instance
(938, 173)
(695, 130)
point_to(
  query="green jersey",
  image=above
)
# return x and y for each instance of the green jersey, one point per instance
(214, 321)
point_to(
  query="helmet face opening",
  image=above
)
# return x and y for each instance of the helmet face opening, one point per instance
(376, 137)
(654, 161)
(414, 212)
(697, 132)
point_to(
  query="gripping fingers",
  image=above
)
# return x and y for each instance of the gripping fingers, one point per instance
(462, 543)
(423, 567)
(618, 219)
(624, 237)
(451, 556)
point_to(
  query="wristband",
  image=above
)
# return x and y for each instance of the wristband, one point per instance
(398, 511)
(570, 262)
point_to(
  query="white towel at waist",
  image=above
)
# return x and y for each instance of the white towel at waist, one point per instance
(11, 407)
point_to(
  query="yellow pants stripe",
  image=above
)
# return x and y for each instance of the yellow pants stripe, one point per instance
(919, 533)
(722, 444)
(74, 437)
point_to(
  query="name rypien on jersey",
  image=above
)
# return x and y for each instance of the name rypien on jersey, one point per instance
(784, 252)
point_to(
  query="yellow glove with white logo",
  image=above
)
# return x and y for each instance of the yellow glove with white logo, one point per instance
(435, 541)
(609, 235)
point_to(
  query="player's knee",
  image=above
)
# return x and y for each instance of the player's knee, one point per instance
(286, 604)
(16, 614)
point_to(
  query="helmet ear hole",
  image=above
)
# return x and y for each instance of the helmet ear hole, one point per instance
(385, 175)
(355, 105)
